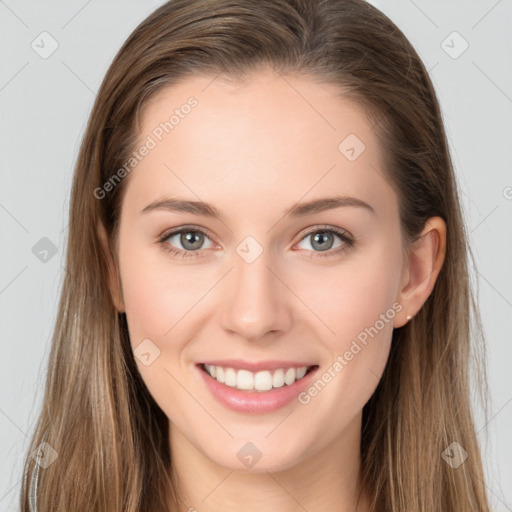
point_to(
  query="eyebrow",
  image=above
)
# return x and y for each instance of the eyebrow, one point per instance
(298, 210)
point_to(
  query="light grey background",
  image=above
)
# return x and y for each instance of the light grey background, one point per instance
(44, 104)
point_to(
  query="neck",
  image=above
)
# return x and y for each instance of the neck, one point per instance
(329, 479)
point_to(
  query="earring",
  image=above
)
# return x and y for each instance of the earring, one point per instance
(409, 317)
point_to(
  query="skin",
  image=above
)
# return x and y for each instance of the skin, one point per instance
(253, 149)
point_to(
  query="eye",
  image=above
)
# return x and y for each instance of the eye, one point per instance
(188, 241)
(323, 240)
(185, 242)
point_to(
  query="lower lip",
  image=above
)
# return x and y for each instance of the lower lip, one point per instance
(257, 402)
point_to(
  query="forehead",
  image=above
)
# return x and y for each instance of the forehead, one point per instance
(267, 138)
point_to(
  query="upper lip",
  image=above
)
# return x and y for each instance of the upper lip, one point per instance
(255, 366)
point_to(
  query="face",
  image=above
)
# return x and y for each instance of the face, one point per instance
(267, 277)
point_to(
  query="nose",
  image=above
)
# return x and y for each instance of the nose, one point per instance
(256, 301)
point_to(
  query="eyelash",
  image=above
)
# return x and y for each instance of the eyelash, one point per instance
(348, 241)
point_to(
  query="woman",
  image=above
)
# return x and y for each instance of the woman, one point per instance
(267, 300)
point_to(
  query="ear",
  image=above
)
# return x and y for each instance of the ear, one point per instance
(114, 282)
(421, 268)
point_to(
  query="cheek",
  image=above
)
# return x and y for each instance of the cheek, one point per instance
(358, 305)
(159, 300)
(354, 296)
(146, 300)
(158, 295)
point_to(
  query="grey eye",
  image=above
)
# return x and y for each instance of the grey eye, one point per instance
(322, 240)
(190, 240)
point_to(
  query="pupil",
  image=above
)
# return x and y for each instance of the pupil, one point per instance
(321, 237)
(193, 238)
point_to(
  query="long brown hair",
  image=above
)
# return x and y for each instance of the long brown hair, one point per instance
(110, 436)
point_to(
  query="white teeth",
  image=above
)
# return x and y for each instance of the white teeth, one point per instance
(301, 372)
(230, 377)
(263, 381)
(260, 381)
(218, 372)
(245, 380)
(278, 379)
(289, 376)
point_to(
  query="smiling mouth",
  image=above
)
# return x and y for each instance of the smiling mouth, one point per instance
(261, 381)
